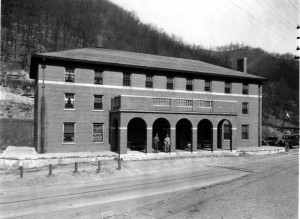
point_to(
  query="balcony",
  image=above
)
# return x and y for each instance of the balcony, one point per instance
(127, 102)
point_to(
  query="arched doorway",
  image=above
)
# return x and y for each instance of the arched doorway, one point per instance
(183, 135)
(161, 127)
(205, 135)
(225, 135)
(137, 135)
(115, 136)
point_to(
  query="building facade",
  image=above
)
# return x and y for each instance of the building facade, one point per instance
(100, 100)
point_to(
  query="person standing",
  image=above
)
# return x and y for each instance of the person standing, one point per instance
(156, 142)
(167, 143)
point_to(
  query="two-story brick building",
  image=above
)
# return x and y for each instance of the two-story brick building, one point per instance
(96, 99)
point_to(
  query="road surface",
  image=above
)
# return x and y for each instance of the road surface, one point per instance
(265, 188)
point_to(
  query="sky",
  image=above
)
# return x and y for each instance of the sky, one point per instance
(268, 24)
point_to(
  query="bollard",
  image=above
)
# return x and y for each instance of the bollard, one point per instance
(99, 167)
(76, 167)
(21, 171)
(50, 170)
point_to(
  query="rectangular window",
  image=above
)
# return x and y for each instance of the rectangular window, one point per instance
(245, 108)
(126, 79)
(98, 77)
(69, 132)
(207, 85)
(245, 132)
(69, 101)
(189, 84)
(226, 132)
(69, 75)
(149, 81)
(97, 132)
(98, 102)
(227, 87)
(170, 83)
(245, 89)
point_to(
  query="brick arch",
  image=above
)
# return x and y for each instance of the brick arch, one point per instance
(224, 134)
(137, 134)
(161, 126)
(184, 134)
(205, 134)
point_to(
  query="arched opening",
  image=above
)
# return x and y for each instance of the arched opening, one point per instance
(137, 135)
(161, 127)
(115, 136)
(183, 135)
(205, 135)
(225, 135)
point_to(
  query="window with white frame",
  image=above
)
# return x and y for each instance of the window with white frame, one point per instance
(126, 79)
(69, 101)
(189, 84)
(98, 79)
(98, 102)
(69, 75)
(245, 89)
(245, 107)
(207, 85)
(245, 132)
(170, 83)
(227, 87)
(69, 132)
(149, 81)
(97, 132)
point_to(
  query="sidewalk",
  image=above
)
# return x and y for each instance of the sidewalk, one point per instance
(21, 156)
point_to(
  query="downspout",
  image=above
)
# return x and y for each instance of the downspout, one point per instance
(259, 115)
(43, 111)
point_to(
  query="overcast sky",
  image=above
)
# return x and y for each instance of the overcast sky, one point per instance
(269, 24)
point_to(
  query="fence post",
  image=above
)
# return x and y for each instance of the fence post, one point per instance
(50, 169)
(76, 167)
(21, 169)
(99, 167)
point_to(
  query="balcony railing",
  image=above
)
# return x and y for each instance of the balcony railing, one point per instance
(127, 102)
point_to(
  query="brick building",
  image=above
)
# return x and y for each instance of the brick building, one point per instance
(99, 100)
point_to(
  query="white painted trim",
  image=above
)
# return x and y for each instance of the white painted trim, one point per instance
(173, 128)
(122, 127)
(234, 128)
(142, 88)
(149, 127)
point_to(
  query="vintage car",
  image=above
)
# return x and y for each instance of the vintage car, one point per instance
(271, 141)
(290, 140)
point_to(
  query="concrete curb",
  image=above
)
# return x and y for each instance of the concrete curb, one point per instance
(39, 160)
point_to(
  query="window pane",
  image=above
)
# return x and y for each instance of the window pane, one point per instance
(207, 85)
(245, 108)
(98, 77)
(69, 75)
(227, 87)
(69, 101)
(97, 132)
(149, 81)
(98, 102)
(245, 132)
(245, 89)
(69, 134)
(126, 79)
(226, 132)
(189, 84)
(170, 83)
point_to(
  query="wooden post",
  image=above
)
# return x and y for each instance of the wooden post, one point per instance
(21, 171)
(50, 169)
(76, 167)
(99, 167)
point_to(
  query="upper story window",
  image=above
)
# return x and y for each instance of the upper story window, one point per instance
(245, 107)
(69, 132)
(69, 75)
(189, 84)
(245, 132)
(170, 83)
(126, 79)
(98, 102)
(149, 81)
(97, 132)
(245, 89)
(226, 132)
(69, 101)
(207, 85)
(98, 79)
(227, 87)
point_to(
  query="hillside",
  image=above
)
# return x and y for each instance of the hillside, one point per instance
(36, 26)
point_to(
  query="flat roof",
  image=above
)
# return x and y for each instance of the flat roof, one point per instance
(140, 61)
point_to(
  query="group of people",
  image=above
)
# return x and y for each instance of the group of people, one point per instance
(166, 146)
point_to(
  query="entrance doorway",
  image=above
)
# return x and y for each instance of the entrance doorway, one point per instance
(137, 135)
(161, 127)
(225, 135)
(205, 135)
(115, 136)
(183, 135)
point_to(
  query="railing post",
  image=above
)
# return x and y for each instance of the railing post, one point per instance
(21, 171)
(50, 170)
(76, 167)
(99, 166)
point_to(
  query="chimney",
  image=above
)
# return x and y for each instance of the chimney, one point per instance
(242, 65)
